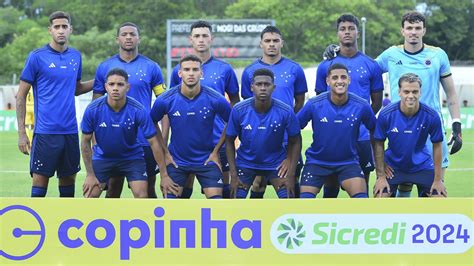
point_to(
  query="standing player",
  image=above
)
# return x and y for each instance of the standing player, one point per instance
(145, 77)
(54, 71)
(260, 123)
(217, 75)
(407, 124)
(290, 81)
(121, 155)
(431, 64)
(336, 118)
(192, 109)
(366, 82)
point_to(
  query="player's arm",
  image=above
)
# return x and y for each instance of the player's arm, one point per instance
(292, 156)
(234, 98)
(376, 98)
(299, 102)
(23, 142)
(214, 156)
(91, 180)
(454, 111)
(83, 87)
(438, 183)
(381, 183)
(230, 152)
(166, 184)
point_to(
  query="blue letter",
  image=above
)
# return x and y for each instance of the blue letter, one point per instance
(126, 242)
(255, 240)
(109, 233)
(63, 230)
(190, 228)
(207, 224)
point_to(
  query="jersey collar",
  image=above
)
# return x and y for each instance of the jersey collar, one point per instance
(260, 60)
(417, 52)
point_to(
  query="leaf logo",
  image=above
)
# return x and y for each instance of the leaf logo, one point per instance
(291, 233)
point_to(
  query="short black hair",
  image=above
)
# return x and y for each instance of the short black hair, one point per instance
(117, 71)
(270, 29)
(190, 57)
(131, 24)
(347, 18)
(263, 72)
(337, 66)
(413, 17)
(59, 14)
(410, 78)
(201, 24)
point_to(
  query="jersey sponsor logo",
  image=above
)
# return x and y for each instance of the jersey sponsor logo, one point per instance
(338, 121)
(395, 130)
(103, 124)
(52, 65)
(399, 62)
(191, 113)
(248, 127)
(408, 131)
(64, 67)
(115, 125)
(324, 120)
(262, 127)
(176, 113)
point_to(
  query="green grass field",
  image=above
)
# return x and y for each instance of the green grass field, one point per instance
(15, 180)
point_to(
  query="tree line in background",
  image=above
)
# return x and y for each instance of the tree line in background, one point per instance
(308, 26)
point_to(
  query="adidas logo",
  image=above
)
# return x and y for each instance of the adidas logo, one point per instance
(144, 174)
(52, 65)
(220, 181)
(395, 130)
(103, 124)
(248, 127)
(324, 120)
(157, 168)
(399, 62)
(368, 164)
(176, 113)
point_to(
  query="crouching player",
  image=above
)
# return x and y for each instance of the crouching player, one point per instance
(261, 123)
(407, 124)
(115, 119)
(336, 118)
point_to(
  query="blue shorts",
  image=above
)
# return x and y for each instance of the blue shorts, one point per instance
(247, 175)
(366, 157)
(422, 179)
(315, 175)
(224, 161)
(134, 170)
(52, 153)
(208, 175)
(444, 152)
(151, 165)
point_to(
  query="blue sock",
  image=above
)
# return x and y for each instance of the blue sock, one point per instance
(66, 191)
(226, 191)
(187, 192)
(403, 194)
(241, 193)
(216, 197)
(307, 195)
(256, 194)
(171, 196)
(330, 192)
(360, 195)
(282, 193)
(38, 192)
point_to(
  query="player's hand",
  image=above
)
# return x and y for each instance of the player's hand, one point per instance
(234, 184)
(24, 144)
(89, 184)
(388, 171)
(169, 160)
(380, 185)
(168, 186)
(439, 186)
(290, 185)
(456, 138)
(214, 157)
(331, 51)
(283, 168)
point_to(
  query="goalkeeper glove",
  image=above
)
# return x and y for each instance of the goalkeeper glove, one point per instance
(456, 138)
(331, 51)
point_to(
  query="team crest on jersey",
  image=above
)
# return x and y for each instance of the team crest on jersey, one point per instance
(428, 62)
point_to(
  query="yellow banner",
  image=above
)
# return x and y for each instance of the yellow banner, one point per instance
(251, 232)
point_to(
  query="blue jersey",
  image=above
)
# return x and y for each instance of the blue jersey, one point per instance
(366, 78)
(217, 75)
(261, 134)
(143, 75)
(116, 132)
(191, 122)
(430, 64)
(335, 128)
(289, 80)
(53, 76)
(407, 137)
